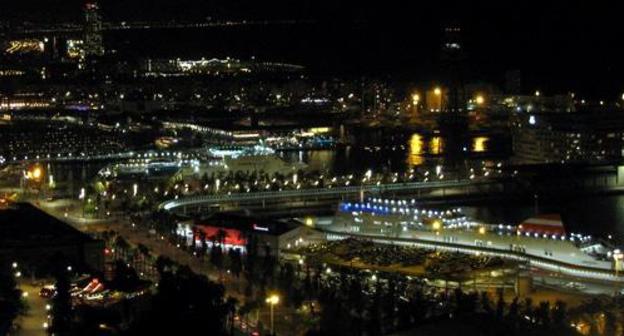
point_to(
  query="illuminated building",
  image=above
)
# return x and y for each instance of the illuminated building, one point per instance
(568, 137)
(452, 56)
(235, 231)
(24, 101)
(435, 100)
(25, 46)
(213, 66)
(93, 41)
(75, 49)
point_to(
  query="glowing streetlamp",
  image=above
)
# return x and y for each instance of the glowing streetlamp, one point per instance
(272, 301)
(82, 194)
(36, 173)
(617, 259)
(436, 225)
(415, 99)
(437, 91)
(479, 100)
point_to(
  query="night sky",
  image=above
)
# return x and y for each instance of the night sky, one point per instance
(558, 45)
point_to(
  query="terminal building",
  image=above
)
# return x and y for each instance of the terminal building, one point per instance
(236, 230)
(37, 241)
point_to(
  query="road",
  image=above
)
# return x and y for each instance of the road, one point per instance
(445, 187)
(68, 211)
(32, 323)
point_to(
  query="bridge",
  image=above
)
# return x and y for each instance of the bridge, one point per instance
(452, 187)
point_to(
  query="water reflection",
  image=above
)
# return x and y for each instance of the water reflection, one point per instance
(436, 145)
(415, 158)
(479, 144)
(395, 154)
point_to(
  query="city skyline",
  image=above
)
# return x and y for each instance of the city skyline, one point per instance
(311, 168)
(558, 46)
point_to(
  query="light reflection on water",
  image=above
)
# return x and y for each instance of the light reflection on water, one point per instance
(420, 146)
(480, 144)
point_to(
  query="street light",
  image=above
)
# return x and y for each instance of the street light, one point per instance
(415, 99)
(617, 258)
(480, 100)
(437, 225)
(437, 91)
(272, 301)
(36, 173)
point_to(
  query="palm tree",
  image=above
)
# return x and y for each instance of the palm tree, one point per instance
(220, 236)
(121, 244)
(144, 252)
(11, 304)
(231, 306)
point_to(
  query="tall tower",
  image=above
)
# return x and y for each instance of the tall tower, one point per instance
(453, 121)
(452, 57)
(93, 41)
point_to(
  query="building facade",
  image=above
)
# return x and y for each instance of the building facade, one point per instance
(580, 137)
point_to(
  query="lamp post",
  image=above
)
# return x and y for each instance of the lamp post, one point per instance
(438, 93)
(415, 102)
(272, 301)
(479, 100)
(617, 258)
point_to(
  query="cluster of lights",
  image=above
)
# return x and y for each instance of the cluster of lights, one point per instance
(572, 237)
(451, 218)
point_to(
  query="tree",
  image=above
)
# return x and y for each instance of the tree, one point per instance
(216, 256)
(126, 278)
(144, 253)
(203, 244)
(62, 312)
(559, 314)
(231, 305)
(122, 245)
(184, 303)
(236, 261)
(542, 314)
(11, 305)
(500, 306)
(486, 304)
(220, 236)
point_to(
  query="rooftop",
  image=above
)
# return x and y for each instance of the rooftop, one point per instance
(23, 224)
(238, 221)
